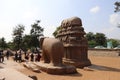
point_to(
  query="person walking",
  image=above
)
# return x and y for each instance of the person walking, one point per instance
(20, 57)
(7, 55)
(1, 56)
(26, 57)
(38, 56)
(16, 56)
(32, 57)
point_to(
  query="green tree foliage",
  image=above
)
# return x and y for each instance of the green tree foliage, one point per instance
(100, 39)
(27, 42)
(115, 42)
(117, 6)
(10, 45)
(3, 43)
(117, 9)
(91, 39)
(56, 31)
(36, 32)
(96, 39)
(17, 36)
(90, 36)
(92, 44)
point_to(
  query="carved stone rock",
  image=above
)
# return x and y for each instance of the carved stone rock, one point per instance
(52, 54)
(75, 44)
(32, 67)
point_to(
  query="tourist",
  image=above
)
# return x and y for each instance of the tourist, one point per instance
(1, 56)
(7, 55)
(32, 57)
(38, 56)
(27, 57)
(20, 57)
(16, 56)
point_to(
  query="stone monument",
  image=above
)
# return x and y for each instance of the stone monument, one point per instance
(52, 54)
(72, 33)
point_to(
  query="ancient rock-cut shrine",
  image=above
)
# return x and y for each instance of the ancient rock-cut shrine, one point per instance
(72, 33)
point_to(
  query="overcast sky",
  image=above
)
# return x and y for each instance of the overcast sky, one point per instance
(96, 15)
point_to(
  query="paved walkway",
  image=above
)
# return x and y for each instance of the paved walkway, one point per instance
(9, 71)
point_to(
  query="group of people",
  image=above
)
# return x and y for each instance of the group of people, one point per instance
(2, 54)
(20, 56)
(28, 56)
(33, 57)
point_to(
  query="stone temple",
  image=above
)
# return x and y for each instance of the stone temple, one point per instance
(72, 33)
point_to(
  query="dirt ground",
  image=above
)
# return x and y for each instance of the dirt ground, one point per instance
(102, 68)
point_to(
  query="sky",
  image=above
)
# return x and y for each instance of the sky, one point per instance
(96, 15)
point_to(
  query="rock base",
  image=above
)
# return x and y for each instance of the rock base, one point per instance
(32, 67)
(58, 70)
(78, 64)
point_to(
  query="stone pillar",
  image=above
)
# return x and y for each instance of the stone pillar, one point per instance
(72, 34)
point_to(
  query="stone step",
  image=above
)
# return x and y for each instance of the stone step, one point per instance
(31, 66)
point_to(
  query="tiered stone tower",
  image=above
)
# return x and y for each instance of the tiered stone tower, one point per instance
(72, 34)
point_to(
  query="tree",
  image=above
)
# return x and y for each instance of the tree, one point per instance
(26, 42)
(92, 44)
(117, 9)
(96, 39)
(117, 6)
(91, 39)
(3, 43)
(17, 35)
(10, 45)
(36, 32)
(115, 42)
(56, 31)
(90, 36)
(100, 39)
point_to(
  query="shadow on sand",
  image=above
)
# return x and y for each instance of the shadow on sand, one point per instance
(72, 75)
(1, 67)
(103, 68)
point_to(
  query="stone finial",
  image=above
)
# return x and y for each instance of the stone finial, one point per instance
(71, 22)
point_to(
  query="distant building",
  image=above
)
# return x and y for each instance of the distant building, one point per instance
(109, 45)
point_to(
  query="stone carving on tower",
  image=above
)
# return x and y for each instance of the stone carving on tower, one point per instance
(72, 33)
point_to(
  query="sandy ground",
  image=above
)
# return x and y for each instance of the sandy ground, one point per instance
(102, 68)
